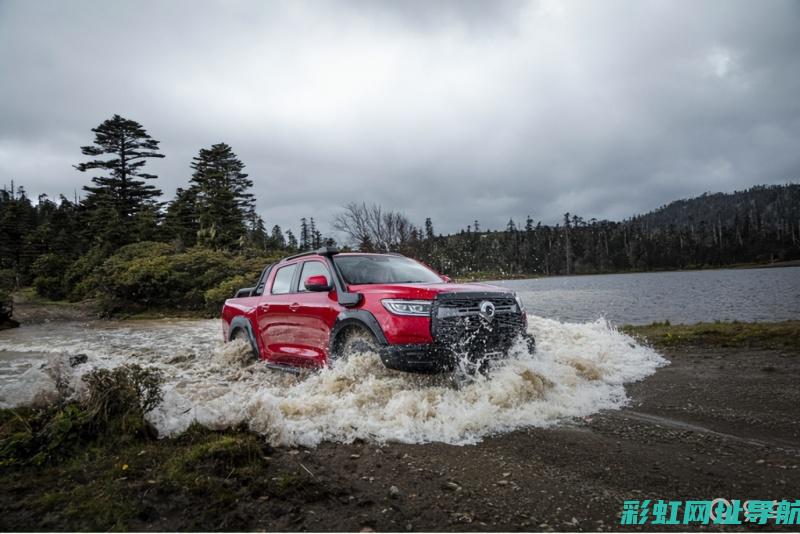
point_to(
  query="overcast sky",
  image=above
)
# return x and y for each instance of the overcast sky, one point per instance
(455, 110)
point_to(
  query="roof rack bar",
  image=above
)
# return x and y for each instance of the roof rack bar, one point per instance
(322, 251)
(293, 256)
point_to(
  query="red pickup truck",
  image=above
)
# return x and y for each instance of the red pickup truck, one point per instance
(310, 308)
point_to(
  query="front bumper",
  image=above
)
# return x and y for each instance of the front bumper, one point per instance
(436, 358)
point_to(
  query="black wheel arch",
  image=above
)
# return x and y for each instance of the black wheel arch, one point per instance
(243, 323)
(355, 318)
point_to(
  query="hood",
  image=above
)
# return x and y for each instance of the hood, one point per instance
(424, 291)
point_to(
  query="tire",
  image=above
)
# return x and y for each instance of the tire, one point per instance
(356, 340)
(241, 334)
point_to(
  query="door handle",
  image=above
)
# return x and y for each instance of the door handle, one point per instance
(294, 306)
(263, 307)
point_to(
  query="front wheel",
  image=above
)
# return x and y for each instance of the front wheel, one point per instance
(356, 340)
(241, 335)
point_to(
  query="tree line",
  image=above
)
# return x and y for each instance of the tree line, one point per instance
(758, 225)
(122, 243)
(67, 248)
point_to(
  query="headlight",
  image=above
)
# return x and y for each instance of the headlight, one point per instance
(418, 308)
(520, 305)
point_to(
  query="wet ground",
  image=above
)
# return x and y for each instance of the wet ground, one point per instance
(715, 423)
(553, 441)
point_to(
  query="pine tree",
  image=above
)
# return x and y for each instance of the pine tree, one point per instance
(291, 240)
(224, 203)
(181, 220)
(257, 232)
(277, 241)
(305, 235)
(429, 234)
(315, 235)
(121, 194)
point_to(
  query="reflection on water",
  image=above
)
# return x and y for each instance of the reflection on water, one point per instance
(680, 297)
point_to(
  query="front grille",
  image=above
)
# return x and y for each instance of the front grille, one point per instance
(457, 324)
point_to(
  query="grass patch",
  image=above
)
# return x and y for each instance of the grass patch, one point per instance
(200, 480)
(780, 335)
(484, 276)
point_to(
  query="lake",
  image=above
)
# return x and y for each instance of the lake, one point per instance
(771, 294)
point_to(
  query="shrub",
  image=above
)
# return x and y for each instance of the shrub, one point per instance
(113, 410)
(80, 279)
(6, 306)
(119, 398)
(216, 296)
(156, 276)
(48, 271)
(8, 280)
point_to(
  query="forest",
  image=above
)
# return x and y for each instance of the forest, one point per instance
(121, 244)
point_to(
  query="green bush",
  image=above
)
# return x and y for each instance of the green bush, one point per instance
(81, 277)
(113, 411)
(48, 271)
(119, 398)
(155, 275)
(216, 296)
(8, 280)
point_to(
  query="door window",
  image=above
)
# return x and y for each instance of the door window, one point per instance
(312, 268)
(283, 280)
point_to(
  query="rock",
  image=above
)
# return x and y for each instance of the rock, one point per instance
(78, 359)
(394, 492)
(502, 482)
(451, 486)
(355, 456)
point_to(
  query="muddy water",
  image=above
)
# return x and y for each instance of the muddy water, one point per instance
(577, 369)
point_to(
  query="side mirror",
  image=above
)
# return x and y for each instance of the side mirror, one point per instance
(446, 279)
(317, 283)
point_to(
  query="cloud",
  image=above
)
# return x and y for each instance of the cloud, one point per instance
(453, 110)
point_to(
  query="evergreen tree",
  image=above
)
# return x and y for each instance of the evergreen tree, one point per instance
(291, 241)
(429, 234)
(257, 232)
(277, 240)
(305, 235)
(121, 194)
(181, 222)
(223, 201)
(315, 235)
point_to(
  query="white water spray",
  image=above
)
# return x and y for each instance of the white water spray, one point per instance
(577, 370)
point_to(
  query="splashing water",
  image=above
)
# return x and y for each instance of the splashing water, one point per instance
(577, 369)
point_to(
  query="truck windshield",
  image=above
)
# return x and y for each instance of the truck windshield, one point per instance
(377, 269)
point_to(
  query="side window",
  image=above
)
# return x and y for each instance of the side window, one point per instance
(283, 280)
(262, 281)
(312, 268)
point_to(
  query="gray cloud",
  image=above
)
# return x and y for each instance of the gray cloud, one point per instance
(453, 110)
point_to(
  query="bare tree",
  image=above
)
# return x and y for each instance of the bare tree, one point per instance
(369, 226)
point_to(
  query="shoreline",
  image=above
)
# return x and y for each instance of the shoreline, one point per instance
(500, 277)
(31, 309)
